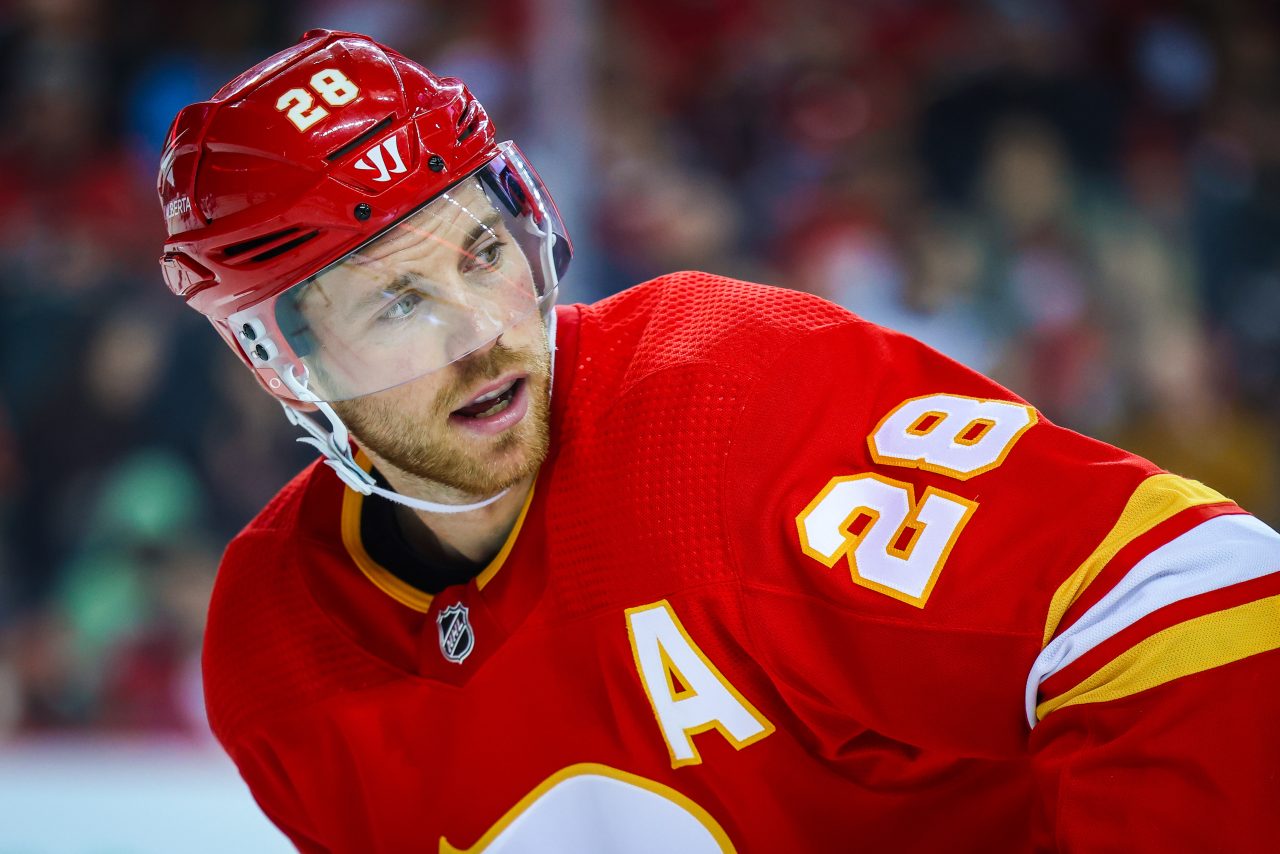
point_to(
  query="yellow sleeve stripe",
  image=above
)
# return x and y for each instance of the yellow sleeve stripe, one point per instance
(1156, 499)
(1190, 647)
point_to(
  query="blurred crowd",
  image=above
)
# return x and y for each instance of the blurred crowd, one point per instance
(1081, 199)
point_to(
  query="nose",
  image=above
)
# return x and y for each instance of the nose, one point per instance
(483, 349)
(472, 325)
(474, 334)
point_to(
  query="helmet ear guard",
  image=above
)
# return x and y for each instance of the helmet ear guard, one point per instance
(266, 346)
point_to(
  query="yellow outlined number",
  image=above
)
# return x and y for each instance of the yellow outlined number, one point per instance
(330, 84)
(563, 814)
(950, 434)
(894, 543)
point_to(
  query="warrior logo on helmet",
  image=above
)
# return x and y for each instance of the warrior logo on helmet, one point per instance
(375, 155)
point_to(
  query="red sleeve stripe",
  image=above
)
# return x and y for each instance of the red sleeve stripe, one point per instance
(1170, 615)
(1194, 646)
(1135, 550)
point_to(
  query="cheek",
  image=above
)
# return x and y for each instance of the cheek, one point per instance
(412, 403)
(527, 336)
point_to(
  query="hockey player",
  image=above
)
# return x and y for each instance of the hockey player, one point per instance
(706, 566)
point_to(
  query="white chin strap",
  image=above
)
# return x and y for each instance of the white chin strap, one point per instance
(334, 443)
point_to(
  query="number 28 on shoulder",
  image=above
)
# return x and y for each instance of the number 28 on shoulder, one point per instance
(896, 542)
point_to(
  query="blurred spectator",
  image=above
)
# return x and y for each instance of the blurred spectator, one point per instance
(1189, 421)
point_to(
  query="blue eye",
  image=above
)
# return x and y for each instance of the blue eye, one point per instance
(484, 259)
(402, 307)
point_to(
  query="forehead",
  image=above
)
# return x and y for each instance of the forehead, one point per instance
(445, 221)
(437, 234)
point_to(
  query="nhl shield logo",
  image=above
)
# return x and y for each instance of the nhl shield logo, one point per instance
(456, 638)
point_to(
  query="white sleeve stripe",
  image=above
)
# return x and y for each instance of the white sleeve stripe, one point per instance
(1217, 553)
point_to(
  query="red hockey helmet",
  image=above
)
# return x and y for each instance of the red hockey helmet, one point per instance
(282, 192)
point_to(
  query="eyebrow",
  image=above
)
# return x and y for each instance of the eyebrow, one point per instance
(405, 281)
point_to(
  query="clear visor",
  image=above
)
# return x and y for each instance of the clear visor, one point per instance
(442, 283)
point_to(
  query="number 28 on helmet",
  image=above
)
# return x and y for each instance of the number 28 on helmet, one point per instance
(347, 222)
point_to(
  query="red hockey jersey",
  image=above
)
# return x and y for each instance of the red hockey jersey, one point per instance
(787, 582)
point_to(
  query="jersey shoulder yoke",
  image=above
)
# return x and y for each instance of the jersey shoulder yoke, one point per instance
(268, 646)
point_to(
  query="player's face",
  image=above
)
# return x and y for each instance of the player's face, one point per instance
(480, 423)
(436, 428)
(434, 288)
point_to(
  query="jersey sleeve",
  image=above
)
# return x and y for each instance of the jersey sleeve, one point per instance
(270, 658)
(249, 616)
(269, 783)
(927, 557)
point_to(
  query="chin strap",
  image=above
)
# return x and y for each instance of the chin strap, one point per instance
(333, 443)
(335, 446)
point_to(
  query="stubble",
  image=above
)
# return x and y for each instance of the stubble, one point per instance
(420, 442)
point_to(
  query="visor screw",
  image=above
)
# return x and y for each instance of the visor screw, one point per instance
(363, 212)
(248, 332)
(435, 163)
(261, 352)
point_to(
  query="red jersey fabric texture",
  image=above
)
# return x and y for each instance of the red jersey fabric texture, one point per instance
(724, 622)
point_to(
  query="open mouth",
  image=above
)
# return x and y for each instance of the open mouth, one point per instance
(494, 410)
(497, 409)
(491, 403)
